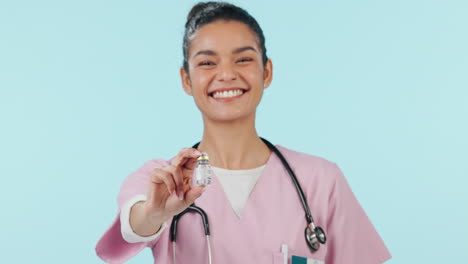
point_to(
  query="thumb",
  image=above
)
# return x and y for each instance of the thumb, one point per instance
(194, 194)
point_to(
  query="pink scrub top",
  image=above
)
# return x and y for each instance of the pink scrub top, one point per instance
(272, 216)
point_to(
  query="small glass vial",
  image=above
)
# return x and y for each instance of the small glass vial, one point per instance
(203, 171)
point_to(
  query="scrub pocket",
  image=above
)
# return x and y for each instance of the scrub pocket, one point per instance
(302, 260)
(278, 258)
(293, 259)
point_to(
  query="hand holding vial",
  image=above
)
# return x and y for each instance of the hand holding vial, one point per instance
(170, 191)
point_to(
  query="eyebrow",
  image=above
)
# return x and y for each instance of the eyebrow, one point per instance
(242, 49)
(235, 51)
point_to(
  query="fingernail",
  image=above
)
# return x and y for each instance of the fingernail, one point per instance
(198, 152)
(181, 196)
(203, 190)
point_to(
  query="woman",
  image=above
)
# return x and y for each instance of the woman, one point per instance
(252, 205)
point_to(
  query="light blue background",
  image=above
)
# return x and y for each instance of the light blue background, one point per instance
(90, 90)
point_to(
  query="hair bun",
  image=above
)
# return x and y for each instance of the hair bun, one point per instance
(196, 9)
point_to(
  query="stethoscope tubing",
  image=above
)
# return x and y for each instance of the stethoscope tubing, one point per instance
(305, 205)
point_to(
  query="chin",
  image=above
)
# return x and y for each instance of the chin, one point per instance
(228, 117)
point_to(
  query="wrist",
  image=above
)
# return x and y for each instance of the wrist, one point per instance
(142, 223)
(149, 216)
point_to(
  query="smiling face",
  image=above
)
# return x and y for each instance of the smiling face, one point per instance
(226, 75)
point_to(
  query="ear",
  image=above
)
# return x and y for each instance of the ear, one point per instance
(267, 74)
(186, 84)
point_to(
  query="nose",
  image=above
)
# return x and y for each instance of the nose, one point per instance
(227, 73)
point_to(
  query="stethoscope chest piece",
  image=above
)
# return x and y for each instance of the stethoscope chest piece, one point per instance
(314, 237)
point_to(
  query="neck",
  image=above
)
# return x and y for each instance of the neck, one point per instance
(233, 145)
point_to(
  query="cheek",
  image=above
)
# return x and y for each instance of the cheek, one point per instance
(200, 81)
(255, 76)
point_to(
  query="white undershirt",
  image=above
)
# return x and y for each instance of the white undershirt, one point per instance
(237, 185)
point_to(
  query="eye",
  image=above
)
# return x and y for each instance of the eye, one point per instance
(206, 63)
(244, 60)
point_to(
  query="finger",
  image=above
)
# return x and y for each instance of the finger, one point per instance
(187, 173)
(161, 176)
(178, 178)
(194, 193)
(184, 155)
(187, 184)
(191, 163)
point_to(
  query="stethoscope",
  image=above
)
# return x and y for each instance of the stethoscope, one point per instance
(314, 235)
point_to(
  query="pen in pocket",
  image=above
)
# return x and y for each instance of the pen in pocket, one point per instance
(284, 250)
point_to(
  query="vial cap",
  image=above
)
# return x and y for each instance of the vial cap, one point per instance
(203, 157)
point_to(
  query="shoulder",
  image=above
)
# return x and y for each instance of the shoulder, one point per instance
(310, 166)
(304, 159)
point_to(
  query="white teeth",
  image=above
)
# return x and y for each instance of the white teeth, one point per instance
(227, 94)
